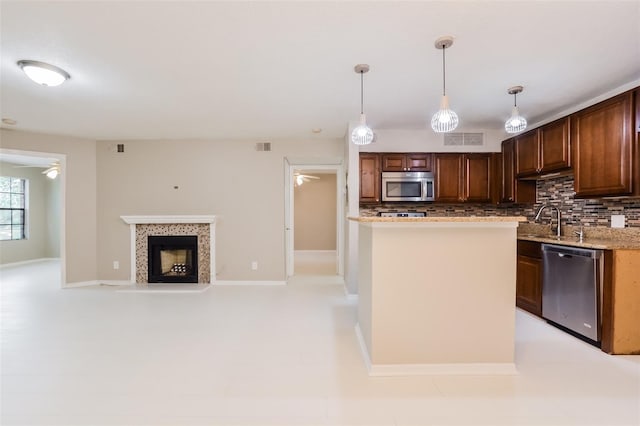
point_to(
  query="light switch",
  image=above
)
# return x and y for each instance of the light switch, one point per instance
(617, 220)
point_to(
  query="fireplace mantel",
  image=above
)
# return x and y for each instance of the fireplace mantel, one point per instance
(180, 220)
(134, 220)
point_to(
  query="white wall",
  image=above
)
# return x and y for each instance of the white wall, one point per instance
(54, 211)
(315, 213)
(426, 140)
(79, 180)
(244, 188)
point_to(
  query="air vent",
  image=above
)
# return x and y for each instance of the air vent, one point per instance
(263, 146)
(459, 139)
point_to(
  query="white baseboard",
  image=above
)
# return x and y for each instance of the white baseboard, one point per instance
(350, 296)
(114, 282)
(363, 347)
(26, 262)
(81, 284)
(229, 282)
(455, 369)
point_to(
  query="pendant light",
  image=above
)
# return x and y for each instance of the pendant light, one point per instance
(43, 73)
(445, 120)
(362, 134)
(516, 123)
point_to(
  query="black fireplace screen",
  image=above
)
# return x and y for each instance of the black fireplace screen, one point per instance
(173, 259)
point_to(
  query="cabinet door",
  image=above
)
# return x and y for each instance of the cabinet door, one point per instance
(448, 178)
(507, 194)
(527, 154)
(529, 284)
(554, 146)
(369, 178)
(418, 162)
(512, 189)
(602, 140)
(393, 163)
(477, 178)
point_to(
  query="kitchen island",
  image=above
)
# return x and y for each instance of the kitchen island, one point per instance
(436, 294)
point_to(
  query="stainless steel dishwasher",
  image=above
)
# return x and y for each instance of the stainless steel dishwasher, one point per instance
(572, 288)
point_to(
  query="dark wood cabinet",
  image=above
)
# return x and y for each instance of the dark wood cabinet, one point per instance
(477, 177)
(529, 277)
(463, 177)
(555, 148)
(369, 178)
(410, 162)
(513, 190)
(602, 137)
(448, 178)
(542, 150)
(526, 153)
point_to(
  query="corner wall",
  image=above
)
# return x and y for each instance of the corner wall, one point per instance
(79, 193)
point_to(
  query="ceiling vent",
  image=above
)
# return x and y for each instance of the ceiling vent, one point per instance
(459, 139)
(263, 146)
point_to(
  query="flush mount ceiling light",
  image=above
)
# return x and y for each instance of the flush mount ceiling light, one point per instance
(516, 123)
(362, 134)
(43, 73)
(445, 120)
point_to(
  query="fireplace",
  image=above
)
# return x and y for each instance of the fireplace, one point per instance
(172, 258)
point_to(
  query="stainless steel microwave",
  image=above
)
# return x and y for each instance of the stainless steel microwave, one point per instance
(407, 186)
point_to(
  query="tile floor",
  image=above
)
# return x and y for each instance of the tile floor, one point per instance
(281, 355)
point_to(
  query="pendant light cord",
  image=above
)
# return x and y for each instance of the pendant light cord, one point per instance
(515, 102)
(444, 74)
(361, 92)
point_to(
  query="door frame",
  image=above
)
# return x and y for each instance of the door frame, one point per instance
(62, 160)
(310, 164)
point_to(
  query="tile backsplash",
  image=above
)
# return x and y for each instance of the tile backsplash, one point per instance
(557, 191)
(586, 212)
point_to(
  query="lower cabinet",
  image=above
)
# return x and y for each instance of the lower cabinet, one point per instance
(529, 277)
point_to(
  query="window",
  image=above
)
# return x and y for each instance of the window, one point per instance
(12, 211)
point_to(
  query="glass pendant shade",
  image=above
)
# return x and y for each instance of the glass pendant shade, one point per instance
(516, 123)
(445, 120)
(362, 134)
(43, 73)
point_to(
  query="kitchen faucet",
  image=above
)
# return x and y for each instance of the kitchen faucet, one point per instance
(539, 212)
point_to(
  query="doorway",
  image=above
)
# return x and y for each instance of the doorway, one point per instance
(55, 200)
(314, 219)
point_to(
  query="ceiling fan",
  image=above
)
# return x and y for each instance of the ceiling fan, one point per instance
(299, 178)
(51, 171)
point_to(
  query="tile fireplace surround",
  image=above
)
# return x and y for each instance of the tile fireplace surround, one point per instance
(203, 226)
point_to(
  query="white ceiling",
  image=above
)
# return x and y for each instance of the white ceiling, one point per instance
(268, 70)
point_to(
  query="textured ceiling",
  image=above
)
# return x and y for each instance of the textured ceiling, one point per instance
(267, 70)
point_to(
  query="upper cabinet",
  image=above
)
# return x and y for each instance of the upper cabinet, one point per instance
(463, 177)
(555, 149)
(513, 190)
(369, 178)
(527, 153)
(411, 162)
(542, 150)
(603, 140)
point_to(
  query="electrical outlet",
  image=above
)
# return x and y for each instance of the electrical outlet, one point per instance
(116, 264)
(254, 266)
(617, 220)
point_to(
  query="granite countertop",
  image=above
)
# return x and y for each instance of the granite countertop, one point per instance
(594, 237)
(440, 219)
(592, 243)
